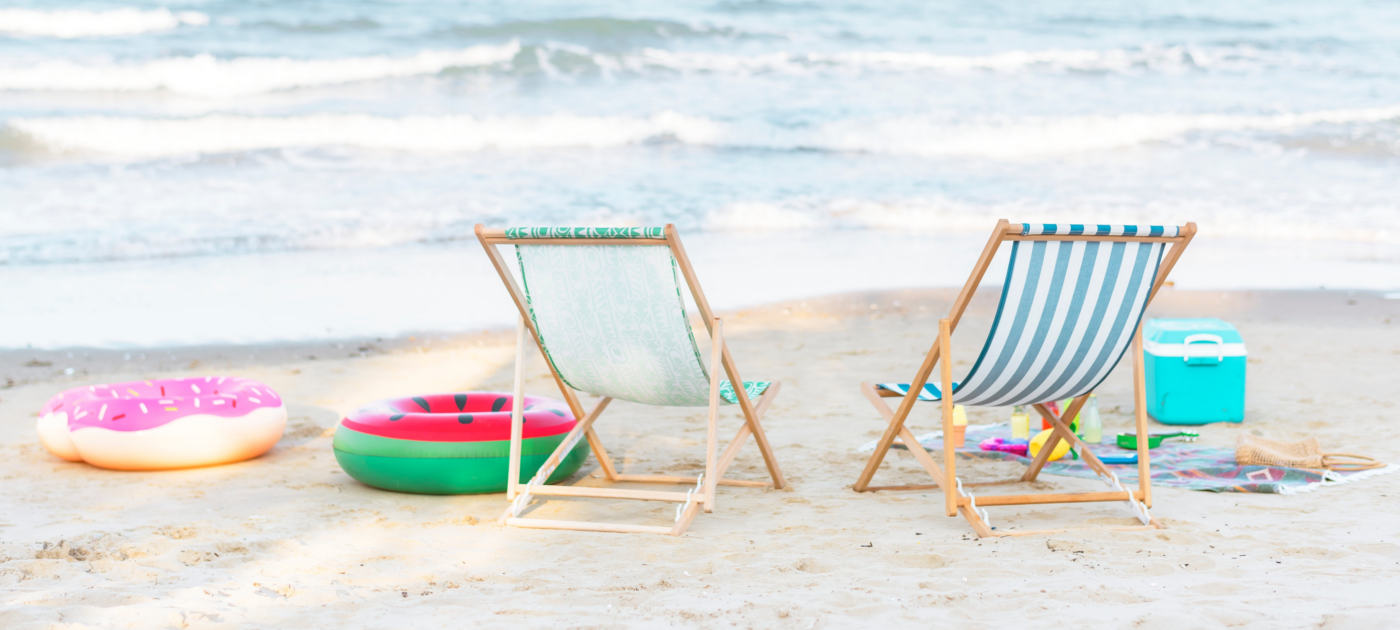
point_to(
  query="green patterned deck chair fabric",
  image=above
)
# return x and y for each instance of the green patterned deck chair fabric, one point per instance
(612, 322)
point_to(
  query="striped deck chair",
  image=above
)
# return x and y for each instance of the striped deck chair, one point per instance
(604, 306)
(1071, 305)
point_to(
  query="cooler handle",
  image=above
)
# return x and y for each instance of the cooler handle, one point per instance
(1203, 338)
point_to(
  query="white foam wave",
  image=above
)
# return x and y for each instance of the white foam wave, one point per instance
(204, 75)
(926, 137)
(945, 215)
(1044, 137)
(207, 76)
(75, 23)
(142, 137)
(1120, 60)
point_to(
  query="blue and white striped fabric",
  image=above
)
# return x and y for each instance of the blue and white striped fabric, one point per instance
(1067, 314)
(930, 390)
(1098, 229)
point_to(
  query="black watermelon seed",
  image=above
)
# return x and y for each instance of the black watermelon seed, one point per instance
(498, 403)
(461, 401)
(396, 417)
(422, 402)
(465, 418)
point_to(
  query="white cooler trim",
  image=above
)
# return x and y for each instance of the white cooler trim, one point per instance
(1194, 350)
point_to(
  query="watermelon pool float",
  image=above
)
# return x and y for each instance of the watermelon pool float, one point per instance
(451, 443)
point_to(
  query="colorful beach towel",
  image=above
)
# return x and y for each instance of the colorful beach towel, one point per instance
(1174, 465)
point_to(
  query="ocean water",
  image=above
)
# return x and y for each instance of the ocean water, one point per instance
(221, 170)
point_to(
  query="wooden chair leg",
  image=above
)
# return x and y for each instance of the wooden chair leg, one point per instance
(712, 423)
(1140, 419)
(517, 411)
(950, 474)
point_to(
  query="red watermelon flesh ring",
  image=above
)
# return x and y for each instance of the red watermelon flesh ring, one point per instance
(469, 417)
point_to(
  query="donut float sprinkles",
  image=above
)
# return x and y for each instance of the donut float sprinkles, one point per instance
(451, 443)
(163, 424)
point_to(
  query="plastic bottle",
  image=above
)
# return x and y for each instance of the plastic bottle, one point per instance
(1020, 423)
(1073, 422)
(1091, 424)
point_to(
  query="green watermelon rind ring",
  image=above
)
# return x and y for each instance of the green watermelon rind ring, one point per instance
(423, 467)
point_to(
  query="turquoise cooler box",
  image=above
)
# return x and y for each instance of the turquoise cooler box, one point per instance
(1195, 371)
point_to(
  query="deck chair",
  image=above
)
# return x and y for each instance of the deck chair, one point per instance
(1071, 304)
(604, 306)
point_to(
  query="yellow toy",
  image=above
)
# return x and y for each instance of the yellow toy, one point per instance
(1038, 441)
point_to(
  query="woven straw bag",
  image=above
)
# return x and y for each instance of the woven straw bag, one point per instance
(1256, 451)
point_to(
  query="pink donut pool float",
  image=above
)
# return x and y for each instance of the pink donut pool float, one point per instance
(162, 424)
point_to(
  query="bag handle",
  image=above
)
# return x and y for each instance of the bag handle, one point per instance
(1349, 462)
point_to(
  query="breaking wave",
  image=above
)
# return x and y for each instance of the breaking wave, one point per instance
(75, 23)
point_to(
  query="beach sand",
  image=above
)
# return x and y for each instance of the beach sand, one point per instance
(289, 540)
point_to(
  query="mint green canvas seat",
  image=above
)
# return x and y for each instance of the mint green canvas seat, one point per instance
(612, 322)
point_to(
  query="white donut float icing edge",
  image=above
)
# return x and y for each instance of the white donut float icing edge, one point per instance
(53, 434)
(188, 442)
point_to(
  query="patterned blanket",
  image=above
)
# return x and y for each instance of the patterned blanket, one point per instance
(1175, 464)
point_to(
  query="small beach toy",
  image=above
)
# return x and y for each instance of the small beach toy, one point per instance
(959, 436)
(1129, 440)
(1013, 446)
(1119, 460)
(162, 424)
(1038, 442)
(451, 443)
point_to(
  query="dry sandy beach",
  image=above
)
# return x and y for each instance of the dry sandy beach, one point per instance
(289, 540)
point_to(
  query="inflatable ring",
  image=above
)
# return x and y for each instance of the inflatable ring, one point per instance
(451, 443)
(162, 424)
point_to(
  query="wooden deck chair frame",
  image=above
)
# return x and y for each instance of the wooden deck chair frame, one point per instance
(956, 498)
(690, 502)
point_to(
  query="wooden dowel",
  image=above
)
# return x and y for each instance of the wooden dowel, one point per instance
(517, 411)
(673, 479)
(587, 526)
(1035, 499)
(950, 475)
(712, 424)
(1048, 532)
(1140, 420)
(608, 493)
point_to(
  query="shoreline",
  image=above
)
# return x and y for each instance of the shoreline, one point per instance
(398, 291)
(24, 366)
(447, 335)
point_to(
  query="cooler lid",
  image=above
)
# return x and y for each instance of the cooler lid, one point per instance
(1190, 337)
